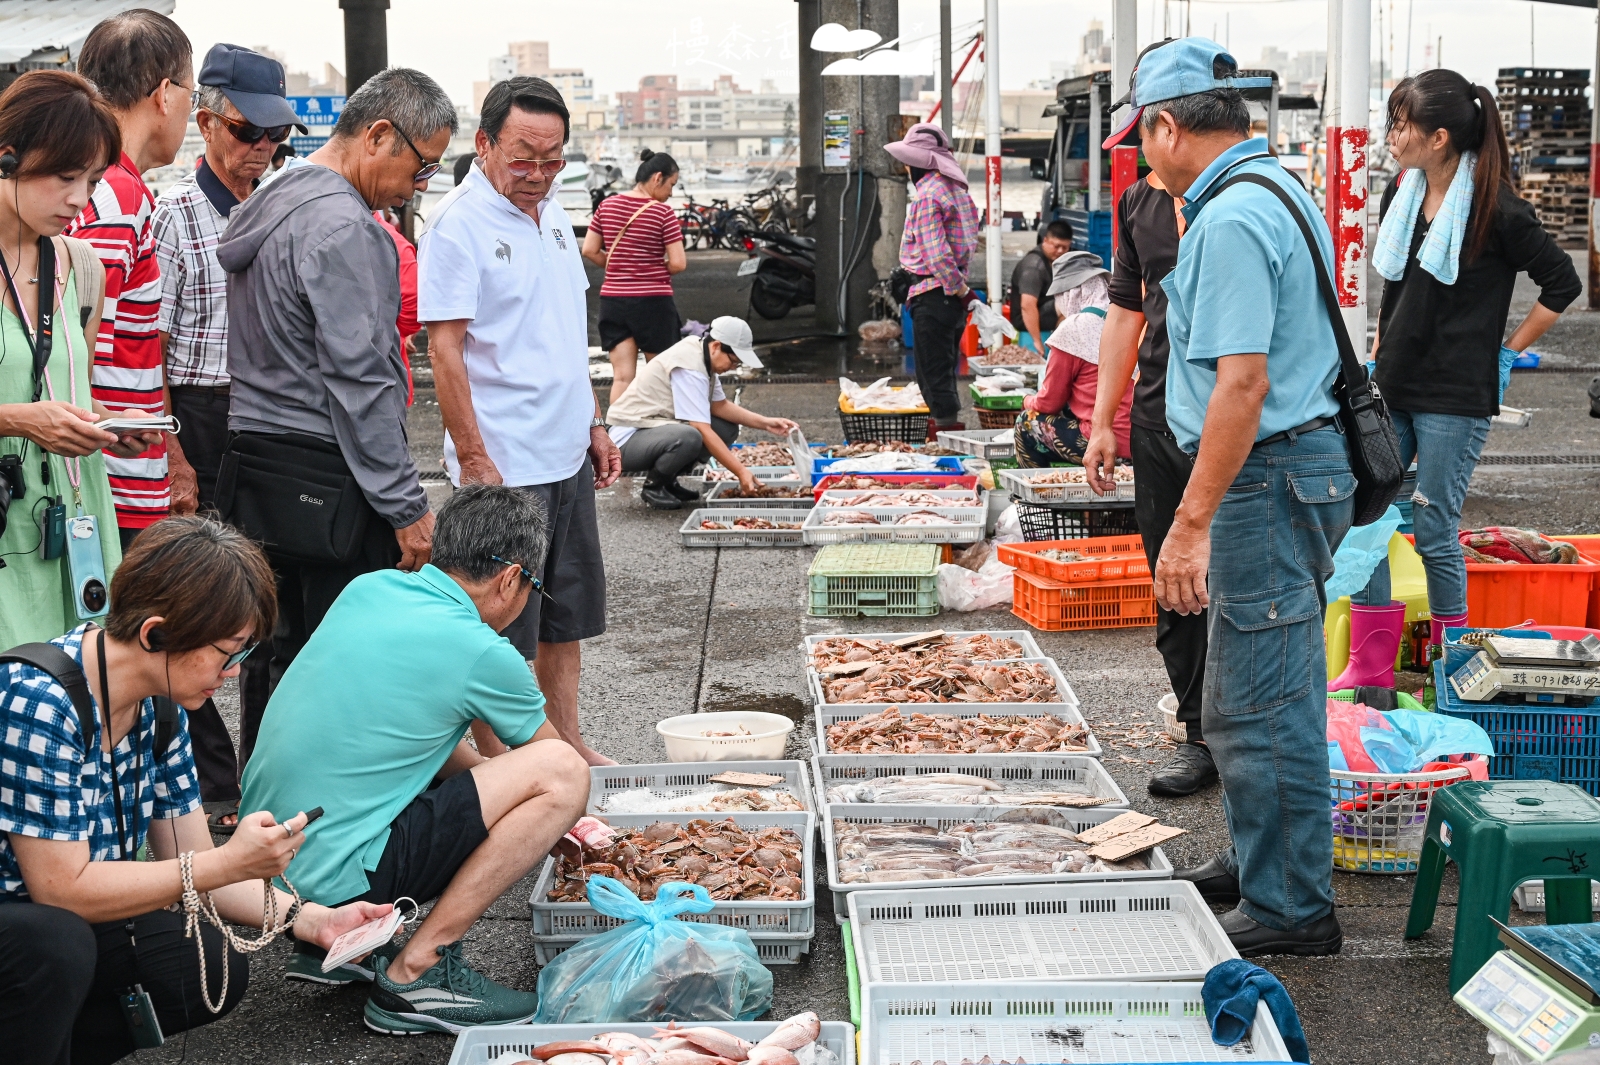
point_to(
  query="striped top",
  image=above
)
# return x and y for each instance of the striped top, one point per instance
(127, 361)
(637, 266)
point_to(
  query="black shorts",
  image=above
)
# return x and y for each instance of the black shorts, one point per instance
(574, 574)
(428, 842)
(652, 322)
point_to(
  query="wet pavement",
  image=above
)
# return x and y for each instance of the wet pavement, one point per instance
(721, 629)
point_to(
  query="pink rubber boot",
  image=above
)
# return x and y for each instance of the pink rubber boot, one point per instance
(1437, 624)
(1374, 639)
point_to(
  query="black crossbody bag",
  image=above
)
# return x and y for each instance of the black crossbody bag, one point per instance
(294, 495)
(1363, 414)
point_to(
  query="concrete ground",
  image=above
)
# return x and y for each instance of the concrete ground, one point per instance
(721, 629)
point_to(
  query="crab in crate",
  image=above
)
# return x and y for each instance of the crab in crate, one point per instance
(729, 861)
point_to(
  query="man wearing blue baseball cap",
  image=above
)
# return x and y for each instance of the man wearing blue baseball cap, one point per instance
(1250, 394)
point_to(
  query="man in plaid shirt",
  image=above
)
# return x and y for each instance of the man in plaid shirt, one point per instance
(143, 65)
(940, 236)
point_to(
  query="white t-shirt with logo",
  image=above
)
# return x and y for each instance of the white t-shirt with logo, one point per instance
(521, 284)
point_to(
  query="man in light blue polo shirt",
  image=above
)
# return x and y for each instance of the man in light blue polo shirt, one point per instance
(1250, 394)
(369, 723)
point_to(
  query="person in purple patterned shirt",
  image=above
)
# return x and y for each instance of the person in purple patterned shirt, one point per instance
(940, 236)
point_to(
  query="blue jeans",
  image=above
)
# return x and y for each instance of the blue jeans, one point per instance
(1446, 448)
(1264, 708)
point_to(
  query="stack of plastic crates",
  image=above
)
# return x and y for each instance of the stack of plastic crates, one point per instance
(876, 580)
(1075, 521)
(1109, 588)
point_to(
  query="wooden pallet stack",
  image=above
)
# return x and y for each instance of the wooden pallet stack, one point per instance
(1547, 121)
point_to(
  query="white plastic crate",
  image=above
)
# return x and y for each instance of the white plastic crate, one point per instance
(979, 443)
(1068, 696)
(718, 496)
(1530, 896)
(1020, 484)
(672, 779)
(1043, 770)
(1119, 930)
(946, 816)
(772, 950)
(1030, 646)
(955, 497)
(966, 527)
(479, 1046)
(574, 920)
(694, 536)
(1110, 1022)
(833, 713)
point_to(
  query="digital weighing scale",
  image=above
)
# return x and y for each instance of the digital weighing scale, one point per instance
(1541, 671)
(1540, 995)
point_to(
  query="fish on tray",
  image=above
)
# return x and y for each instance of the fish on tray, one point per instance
(957, 789)
(765, 454)
(671, 1045)
(901, 852)
(925, 517)
(856, 482)
(1079, 475)
(870, 447)
(849, 517)
(890, 732)
(988, 682)
(729, 861)
(903, 499)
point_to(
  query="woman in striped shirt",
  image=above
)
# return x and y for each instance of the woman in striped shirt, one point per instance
(638, 240)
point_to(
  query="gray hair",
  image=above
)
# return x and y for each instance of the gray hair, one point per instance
(413, 102)
(1217, 110)
(480, 521)
(213, 99)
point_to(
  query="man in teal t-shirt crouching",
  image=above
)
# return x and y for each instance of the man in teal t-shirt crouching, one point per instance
(370, 724)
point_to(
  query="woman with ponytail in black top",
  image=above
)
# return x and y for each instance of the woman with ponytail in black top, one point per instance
(1453, 237)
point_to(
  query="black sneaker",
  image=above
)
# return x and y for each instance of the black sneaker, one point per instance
(688, 495)
(1317, 939)
(1191, 769)
(658, 497)
(1213, 880)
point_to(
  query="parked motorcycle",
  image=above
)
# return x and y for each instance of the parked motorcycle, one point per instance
(785, 273)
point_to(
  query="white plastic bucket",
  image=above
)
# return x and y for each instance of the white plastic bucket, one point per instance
(1176, 730)
(686, 740)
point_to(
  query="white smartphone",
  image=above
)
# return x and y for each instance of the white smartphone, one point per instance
(362, 940)
(168, 424)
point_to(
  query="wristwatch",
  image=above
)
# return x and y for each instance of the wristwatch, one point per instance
(599, 423)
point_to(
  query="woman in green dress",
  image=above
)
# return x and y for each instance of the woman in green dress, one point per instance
(56, 138)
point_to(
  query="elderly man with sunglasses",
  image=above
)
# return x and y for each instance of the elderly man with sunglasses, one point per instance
(317, 466)
(501, 287)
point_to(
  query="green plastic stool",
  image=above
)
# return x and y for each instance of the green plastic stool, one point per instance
(1499, 834)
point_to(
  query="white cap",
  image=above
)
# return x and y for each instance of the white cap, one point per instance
(735, 335)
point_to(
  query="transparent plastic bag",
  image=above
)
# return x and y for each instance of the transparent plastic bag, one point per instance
(655, 967)
(993, 330)
(964, 589)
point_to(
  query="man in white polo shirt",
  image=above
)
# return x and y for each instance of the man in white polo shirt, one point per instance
(501, 287)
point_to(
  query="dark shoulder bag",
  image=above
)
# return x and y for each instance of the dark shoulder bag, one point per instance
(48, 658)
(1363, 414)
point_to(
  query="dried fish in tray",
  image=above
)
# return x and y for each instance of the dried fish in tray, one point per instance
(890, 732)
(728, 860)
(945, 682)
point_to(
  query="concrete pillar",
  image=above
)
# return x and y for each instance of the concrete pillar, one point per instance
(809, 173)
(860, 212)
(366, 40)
(1594, 178)
(1124, 49)
(1346, 107)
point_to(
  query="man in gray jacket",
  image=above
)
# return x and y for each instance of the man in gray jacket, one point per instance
(319, 469)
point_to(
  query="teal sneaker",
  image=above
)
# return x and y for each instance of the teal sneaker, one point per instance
(449, 997)
(305, 964)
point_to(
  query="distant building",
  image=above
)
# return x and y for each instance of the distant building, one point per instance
(1094, 52)
(1301, 74)
(532, 59)
(653, 106)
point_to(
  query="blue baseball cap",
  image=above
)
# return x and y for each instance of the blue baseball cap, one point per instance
(252, 82)
(1184, 67)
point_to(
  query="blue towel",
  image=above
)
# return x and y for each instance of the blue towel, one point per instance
(1231, 992)
(1440, 253)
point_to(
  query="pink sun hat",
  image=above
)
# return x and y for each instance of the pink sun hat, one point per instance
(926, 147)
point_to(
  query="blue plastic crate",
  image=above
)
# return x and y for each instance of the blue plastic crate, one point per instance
(948, 465)
(1531, 742)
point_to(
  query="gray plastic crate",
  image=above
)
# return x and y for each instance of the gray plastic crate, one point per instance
(1068, 696)
(833, 713)
(1039, 769)
(966, 526)
(947, 816)
(1020, 484)
(693, 535)
(672, 779)
(717, 496)
(479, 1046)
(1109, 1022)
(1117, 930)
(979, 443)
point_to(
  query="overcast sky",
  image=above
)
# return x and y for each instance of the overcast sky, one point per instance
(616, 41)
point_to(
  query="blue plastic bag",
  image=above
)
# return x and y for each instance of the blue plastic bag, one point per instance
(655, 967)
(1360, 552)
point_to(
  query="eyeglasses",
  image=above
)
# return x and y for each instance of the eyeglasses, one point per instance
(250, 133)
(428, 169)
(194, 94)
(538, 585)
(523, 167)
(235, 657)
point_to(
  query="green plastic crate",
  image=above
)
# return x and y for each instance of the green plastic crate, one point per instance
(996, 402)
(876, 580)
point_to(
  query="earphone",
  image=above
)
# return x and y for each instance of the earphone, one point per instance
(8, 163)
(158, 640)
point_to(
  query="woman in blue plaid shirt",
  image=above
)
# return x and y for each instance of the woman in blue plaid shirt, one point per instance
(82, 921)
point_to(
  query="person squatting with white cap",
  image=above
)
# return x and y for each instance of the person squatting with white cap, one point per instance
(675, 413)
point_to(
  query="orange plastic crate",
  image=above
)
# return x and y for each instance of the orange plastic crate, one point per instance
(1589, 546)
(1503, 596)
(1057, 607)
(1115, 558)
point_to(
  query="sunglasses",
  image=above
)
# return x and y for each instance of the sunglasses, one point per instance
(248, 132)
(538, 585)
(523, 167)
(427, 171)
(235, 657)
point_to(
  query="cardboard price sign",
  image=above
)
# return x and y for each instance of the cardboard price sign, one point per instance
(1136, 842)
(1115, 827)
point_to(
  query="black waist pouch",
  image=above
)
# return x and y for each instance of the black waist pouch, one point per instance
(295, 495)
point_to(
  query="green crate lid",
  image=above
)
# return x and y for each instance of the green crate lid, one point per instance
(876, 560)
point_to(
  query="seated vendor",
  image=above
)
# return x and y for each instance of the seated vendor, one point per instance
(1055, 424)
(369, 723)
(675, 413)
